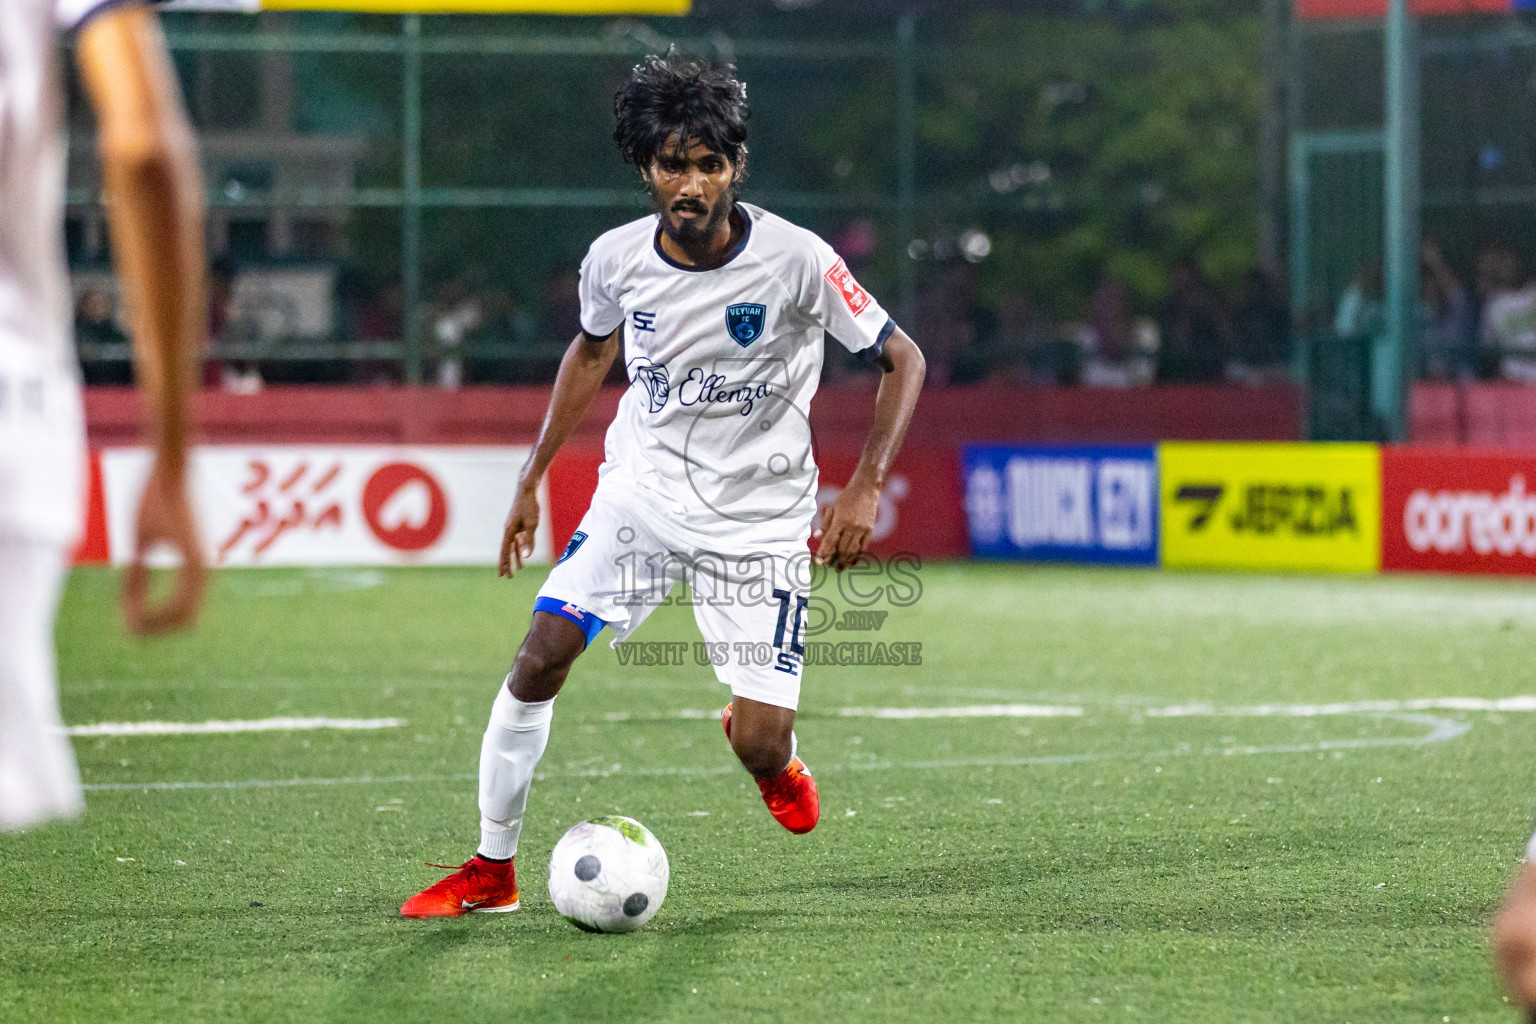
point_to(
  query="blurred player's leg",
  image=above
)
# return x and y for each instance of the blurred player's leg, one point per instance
(1514, 937)
(38, 778)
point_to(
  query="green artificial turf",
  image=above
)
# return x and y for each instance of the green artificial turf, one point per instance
(1113, 865)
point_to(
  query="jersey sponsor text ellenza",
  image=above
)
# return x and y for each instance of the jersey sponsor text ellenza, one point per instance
(713, 436)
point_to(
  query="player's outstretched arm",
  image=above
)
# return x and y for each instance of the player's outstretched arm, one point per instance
(155, 210)
(848, 520)
(582, 369)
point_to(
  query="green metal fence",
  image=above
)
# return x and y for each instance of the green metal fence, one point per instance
(569, 189)
(1001, 163)
(1448, 156)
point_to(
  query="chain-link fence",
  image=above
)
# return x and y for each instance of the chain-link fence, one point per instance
(1476, 309)
(407, 198)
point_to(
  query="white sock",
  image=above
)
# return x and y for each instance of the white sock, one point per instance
(514, 742)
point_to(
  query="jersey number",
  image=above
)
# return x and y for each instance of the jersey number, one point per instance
(789, 661)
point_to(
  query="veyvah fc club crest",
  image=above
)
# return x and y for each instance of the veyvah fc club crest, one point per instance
(744, 322)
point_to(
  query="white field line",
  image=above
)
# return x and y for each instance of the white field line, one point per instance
(959, 711)
(1194, 710)
(972, 711)
(358, 780)
(1359, 707)
(1440, 731)
(249, 725)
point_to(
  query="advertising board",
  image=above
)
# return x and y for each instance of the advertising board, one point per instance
(314, 505)
(920, 506)
(1303, 507)
(1455, 510)
(1062, 503)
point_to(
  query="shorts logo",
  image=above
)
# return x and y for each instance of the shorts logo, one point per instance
(571, 609)
(744, 322)
(653, 378)
(857, 298)
(577, 539)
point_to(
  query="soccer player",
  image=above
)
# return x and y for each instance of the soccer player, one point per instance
(154, 206)
(708, 476)
(1514, 935)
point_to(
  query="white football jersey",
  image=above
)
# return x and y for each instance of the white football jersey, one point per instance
(713, 436)
(41, 447)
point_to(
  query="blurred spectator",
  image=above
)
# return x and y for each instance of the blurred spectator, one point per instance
(95, 319)
(1109, 314)
(454, 315)
(947, 324)
(1262, 325)
(495, 357)
(242, 377)
(95, 326)
(1360, 311)
(1113, 356)
(1446, 316)
(1196, 334)
(1026, 349)
(857, 243)
(379, 317)
(1507, 331)
(221, 290)
(562, 308)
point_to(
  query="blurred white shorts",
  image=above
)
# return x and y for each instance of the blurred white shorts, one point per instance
(38, 778)
(750, 605)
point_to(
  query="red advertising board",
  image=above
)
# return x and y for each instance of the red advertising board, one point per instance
(1378, 8)
(1458, 510)
(922, 511)
(572, 481)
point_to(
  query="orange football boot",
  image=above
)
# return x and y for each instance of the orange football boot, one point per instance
(478, 886)
(791, 795)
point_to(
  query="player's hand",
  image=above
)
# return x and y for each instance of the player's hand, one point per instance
(517, 535)
(846, 523)
(165, 518)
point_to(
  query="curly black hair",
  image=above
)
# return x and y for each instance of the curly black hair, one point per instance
(681, 100)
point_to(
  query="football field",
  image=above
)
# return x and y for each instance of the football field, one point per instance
(1102, 795)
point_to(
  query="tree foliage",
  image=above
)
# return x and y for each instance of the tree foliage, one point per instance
(1083, 144)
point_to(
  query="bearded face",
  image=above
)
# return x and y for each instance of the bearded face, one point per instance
(693, 189)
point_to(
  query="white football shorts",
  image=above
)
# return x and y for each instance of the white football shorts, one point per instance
(38, 778)
(750, 605)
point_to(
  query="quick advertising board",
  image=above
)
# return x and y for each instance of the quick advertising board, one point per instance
(1060, 503)
(314, 505)
(1446, 510)
(1302, 507)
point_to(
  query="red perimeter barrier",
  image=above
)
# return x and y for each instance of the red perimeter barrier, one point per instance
(1489, 414)
(511, 415)
(1458, 510)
